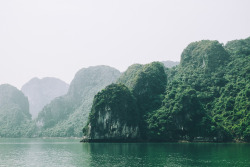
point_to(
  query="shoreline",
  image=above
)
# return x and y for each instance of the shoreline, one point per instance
(84, 140)
(144, 141)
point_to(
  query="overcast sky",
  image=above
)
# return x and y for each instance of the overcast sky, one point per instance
(56, 38)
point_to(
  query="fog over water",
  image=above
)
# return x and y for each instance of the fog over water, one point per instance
(56, 38)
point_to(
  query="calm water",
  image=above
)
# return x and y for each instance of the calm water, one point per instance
(69, 152)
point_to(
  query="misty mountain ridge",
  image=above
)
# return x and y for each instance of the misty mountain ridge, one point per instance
(41, 92)
(14, 112)
(170, 64)
(205, 96)
(66, 115)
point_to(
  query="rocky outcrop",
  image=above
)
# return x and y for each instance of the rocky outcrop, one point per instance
(205, 54)
(143, 83)
(114, 116)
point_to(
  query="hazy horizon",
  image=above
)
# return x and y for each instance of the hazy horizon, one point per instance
(56, 38)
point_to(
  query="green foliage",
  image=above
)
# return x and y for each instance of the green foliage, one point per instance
(232, 108)
(128, 78)
(115, 106)
(15, 119)
(239, 47)
(207, 95)
(206, 55)
(119, 100)
(65, 116)
(148, 86)
(182, 117)
(59, 109)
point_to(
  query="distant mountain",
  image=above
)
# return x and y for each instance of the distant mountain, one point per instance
(14, 112)
(66, 115)
(170, 64)
(41, 92)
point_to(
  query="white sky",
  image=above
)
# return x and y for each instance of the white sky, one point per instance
(56, 38)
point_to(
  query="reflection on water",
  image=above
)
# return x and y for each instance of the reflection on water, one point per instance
(170, 154)
(69, 152)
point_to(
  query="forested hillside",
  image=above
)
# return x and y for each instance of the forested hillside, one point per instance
(66, 115)
(15, 119)
(205, 98)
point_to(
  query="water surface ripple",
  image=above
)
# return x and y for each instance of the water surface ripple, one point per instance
(71, 153)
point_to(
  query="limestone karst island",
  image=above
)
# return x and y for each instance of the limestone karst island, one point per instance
(205, 97)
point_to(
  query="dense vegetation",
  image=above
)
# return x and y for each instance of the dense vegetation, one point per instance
(206, 97)
(108, 120)
(232, 108)
(15, 119)
(149, 86)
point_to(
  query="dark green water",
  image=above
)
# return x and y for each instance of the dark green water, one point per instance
(69, 153)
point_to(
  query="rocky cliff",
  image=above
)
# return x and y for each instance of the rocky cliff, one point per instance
(207, 55)
(205, 98)
(114, 115)
(119, 112)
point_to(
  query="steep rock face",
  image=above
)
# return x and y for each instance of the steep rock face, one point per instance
(147, 84)
(14, 112)
(204, 54)
(42, 91)
(66, 115)
(114, 115)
